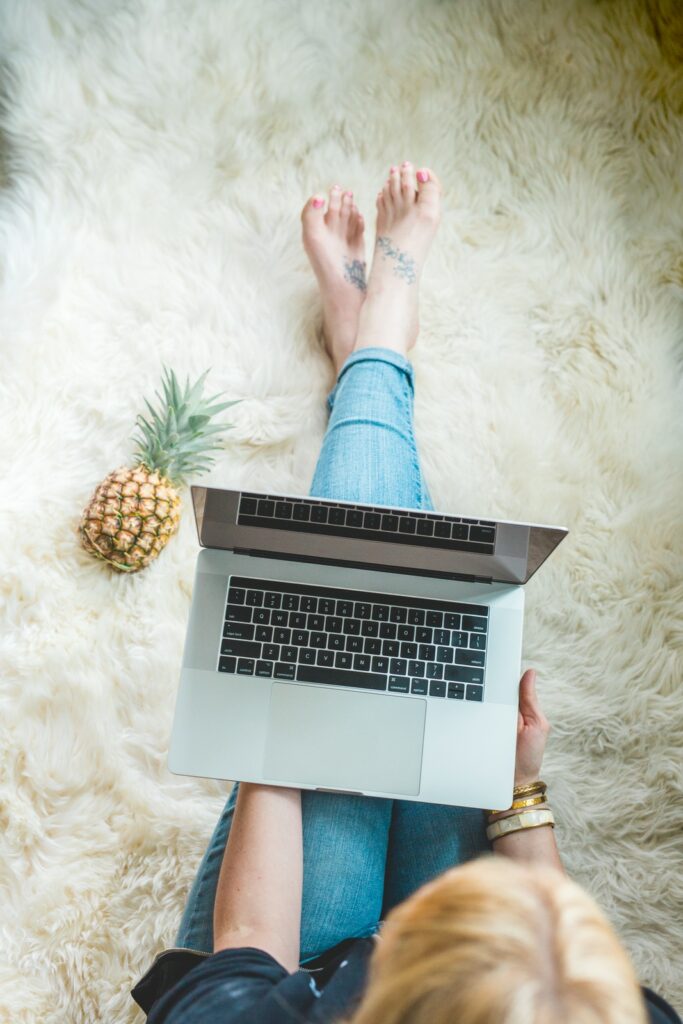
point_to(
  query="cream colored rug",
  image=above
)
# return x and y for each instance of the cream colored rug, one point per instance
(156, 157)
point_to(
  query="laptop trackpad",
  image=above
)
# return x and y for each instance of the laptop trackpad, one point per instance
(320, 736)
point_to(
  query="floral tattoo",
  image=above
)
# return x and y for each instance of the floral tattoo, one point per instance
(405, 264)
(355, 273)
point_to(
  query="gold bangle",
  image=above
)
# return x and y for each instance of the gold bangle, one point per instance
(518, 822)
(528, 801)
(531, 787)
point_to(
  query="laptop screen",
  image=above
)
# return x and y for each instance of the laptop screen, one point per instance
(430, 543)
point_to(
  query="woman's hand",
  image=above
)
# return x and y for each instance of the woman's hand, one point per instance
(532, 732)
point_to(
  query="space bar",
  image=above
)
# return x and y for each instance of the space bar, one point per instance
(335, 677)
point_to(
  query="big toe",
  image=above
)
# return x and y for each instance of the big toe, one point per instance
(313, 213)
(428, 193)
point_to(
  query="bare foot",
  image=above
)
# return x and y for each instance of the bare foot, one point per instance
(335, 245)
(408, 214)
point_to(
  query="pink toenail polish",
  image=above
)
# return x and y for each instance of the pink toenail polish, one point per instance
(336, 186)
(317, 203)
(406, 163)
(348, 193)
(392, 169)
(423, 176)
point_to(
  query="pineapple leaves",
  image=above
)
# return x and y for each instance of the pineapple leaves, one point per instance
(176, 438)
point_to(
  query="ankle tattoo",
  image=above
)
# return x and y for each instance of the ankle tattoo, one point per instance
(354, 271)
(405, 264)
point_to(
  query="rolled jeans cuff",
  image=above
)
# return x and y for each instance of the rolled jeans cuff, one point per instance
(377, 355)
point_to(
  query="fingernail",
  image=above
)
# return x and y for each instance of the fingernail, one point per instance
(317, 202)
(423, 176)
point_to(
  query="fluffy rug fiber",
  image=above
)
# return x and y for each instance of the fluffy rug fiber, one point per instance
(156, 155)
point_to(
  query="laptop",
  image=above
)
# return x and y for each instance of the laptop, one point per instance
(354, 648)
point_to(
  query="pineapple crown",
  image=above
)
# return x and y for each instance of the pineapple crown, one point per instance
(175, 439)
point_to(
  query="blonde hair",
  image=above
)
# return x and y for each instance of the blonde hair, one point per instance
(497, 942)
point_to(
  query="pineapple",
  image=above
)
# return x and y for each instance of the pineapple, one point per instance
(135, 511)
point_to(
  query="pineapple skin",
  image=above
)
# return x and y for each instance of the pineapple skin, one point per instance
(130, 518)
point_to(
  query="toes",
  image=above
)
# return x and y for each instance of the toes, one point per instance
(313, 211)
(395, 182)
(335, 201)
(346, 204)
(428, 193)
(408, 182)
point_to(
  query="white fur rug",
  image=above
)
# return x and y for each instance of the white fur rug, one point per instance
(156, 157)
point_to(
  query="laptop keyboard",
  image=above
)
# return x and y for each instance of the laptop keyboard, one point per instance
(340, 637)
(398, 526)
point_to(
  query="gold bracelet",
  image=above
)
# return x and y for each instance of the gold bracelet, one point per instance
(518, 822)
(531, 787)
(518, 804)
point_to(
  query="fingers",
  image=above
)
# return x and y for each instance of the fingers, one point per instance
(529, 707)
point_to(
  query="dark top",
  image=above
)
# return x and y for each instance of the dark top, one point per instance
(248, 986)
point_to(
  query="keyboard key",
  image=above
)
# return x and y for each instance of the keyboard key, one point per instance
(390, 523)
(478, 641)
(419, 686)
(408, 650)
(335, 641)
(336, 516)
(283, 510)
(283, 671)
(318, 514)
(406, 525)
(456, 691)
(442, 636)
(362, 611)
(273, 600)
(307, 656)
(227, 664)
(300, 637)
(354, 643)
(352, 626)
(248, 507)
(254, 598)
(459, 531)
(266, 508)
(462, 674)
(333, 624)
(344, 608)
(316, 622)
(237, 613)
(398, 615)
(338, 677)
(437, 688)
(444, 654)
(483, 534)
(264, 634)
(423, 634)
(361, 662)
(405, 632)
(236, 595)
(261, 616)
(271, 652)
(264, 668)
(290, 602)
(370, 628)
(354, 518)
(474, 692)
(415, 668)
(380, 612)
(425, 527)
(372, 645)
(398, 666)
(245, 666)
(309, 604)
(298, 620)
(474, 623)
(416, 617)
(326, 606)
(240, 648)
(442, 529)
(399, 684)
(427, 652)
(470, 658)
(458, 639)
(451, 620)
(380, 664)
(325, 658)
(343, 659)
(435, 619)
(301, 513)
(289, 653)
(391, 648)
(318, 640)
(279, 618)
(434, 670)
(282, 636)
(238, 630)
(372, 521)
(387, 630)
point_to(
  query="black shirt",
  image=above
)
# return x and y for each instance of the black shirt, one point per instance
(248, 986)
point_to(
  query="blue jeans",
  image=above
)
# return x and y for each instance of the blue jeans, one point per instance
(362, 855)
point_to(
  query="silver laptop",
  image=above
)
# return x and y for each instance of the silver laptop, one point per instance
(355, 648)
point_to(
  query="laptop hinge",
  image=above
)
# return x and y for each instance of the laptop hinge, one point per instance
(401, 569)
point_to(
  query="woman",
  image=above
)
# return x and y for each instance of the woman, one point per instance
(293, 877)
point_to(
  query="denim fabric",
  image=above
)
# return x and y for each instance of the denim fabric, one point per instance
(362, 855)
